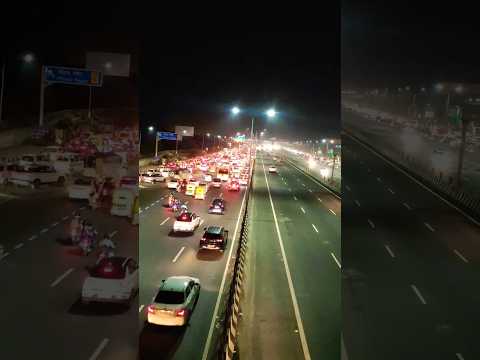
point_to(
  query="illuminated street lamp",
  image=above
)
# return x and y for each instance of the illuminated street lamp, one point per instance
(271, 113)
(28, 58)
(235, 110)
(151, 128)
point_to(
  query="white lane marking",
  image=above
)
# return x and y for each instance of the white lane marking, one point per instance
(54, 224)
(186, 202)
(178, 254)
(61, 277)
(141, 308)
(310, 190)
(303, 185)
(99, 349)
(43, 231)
(82, 208)
(222, 284)
(418, 182)
(344, 354)
(319, 199)
(148, 207)
(417, 292)
(390, 251)
(459, 356)
(333, 212)
(201, 222)
(164, 221)
(429, 227)
(16, 247)
(65, 217)
(303, 210)
(295, 198)
(221, 195)
(391, 191)
(315, 228)
(347, 187)
(33, 237)
(296, 309)
(4, 255)
(460, 255)
(379, 180)
(289, 189)
(357, 202)
(113, 233)
(334, 258)
(407, 206)
(372, 225)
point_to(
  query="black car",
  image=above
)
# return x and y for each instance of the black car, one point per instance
(217, 207)
(214, 237)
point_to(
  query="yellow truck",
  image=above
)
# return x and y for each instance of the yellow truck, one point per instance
(201, 192)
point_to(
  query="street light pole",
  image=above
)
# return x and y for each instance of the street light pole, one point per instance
(42, 96)
(4, 66)
(156, 144)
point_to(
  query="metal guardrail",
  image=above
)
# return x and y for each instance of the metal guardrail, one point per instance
(228, 342)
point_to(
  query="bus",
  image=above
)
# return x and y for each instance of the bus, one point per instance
(223, 174)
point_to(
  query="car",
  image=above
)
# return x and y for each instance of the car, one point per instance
(234, 185)
(217, 183)
(152, 177)
(174, 302)
(112, 280)
(35, 175)
(272, 169)
(208, 178)
(215, 238)
(128, 182)
(172, 184)
(186, 222)
(81, 188)
(217, 206)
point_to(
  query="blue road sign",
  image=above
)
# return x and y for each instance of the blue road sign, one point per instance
(72, 76)
(162, 135)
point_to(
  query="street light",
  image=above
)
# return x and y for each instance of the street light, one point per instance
(271, 113)
(28, 58)
(235, 110)
(151, 128)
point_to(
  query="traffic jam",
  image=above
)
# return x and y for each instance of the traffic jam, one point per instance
(185, 185)
(101, 187)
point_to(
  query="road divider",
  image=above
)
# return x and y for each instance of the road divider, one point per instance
(419, 295)
(61, 277)
(178, 254)
(99, 349)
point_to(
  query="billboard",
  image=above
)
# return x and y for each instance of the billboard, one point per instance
(184, 130)
(72, 76)
(111, 64)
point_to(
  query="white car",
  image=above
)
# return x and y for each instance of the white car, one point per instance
(35, 175)
(112, 280)
(208, 178)
(80, 189)
(152, 178)
(186, 222)
(272, 169)
(175, 300)
(243, 181)
(172, 184)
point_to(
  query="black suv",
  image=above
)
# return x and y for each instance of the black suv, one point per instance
(214, 237)
(217, 207)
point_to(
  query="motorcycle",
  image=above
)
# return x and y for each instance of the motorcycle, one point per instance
(87, 240)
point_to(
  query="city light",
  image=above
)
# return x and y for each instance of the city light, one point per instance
(151, 128)
(28, 58)
(311, 163)
(324, 141)
(324, 172)
(208, 134)
(271, 113)
(235, 110)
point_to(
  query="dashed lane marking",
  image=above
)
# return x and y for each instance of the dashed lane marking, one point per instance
(16, 247)
(61, 277)
(334, 258)
(99, 349)
(390, 251)
(178, 254)
(419, 295)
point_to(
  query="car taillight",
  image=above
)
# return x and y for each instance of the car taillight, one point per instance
(151, 309)
(180, 312)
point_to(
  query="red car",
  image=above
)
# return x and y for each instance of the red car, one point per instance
(234, 186)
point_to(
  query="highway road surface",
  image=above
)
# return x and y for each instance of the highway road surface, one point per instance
(164, 254)
(410, 264)
(41, 280)
(292, 304)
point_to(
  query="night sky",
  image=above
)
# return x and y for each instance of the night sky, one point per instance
(195, 78)
(408, 43)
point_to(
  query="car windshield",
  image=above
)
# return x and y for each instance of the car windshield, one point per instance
(109, 269)
(213, 236)
(169, 297)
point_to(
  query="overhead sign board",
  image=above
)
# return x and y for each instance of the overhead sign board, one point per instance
(73, 76)
(162, 135)
(184, 130)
